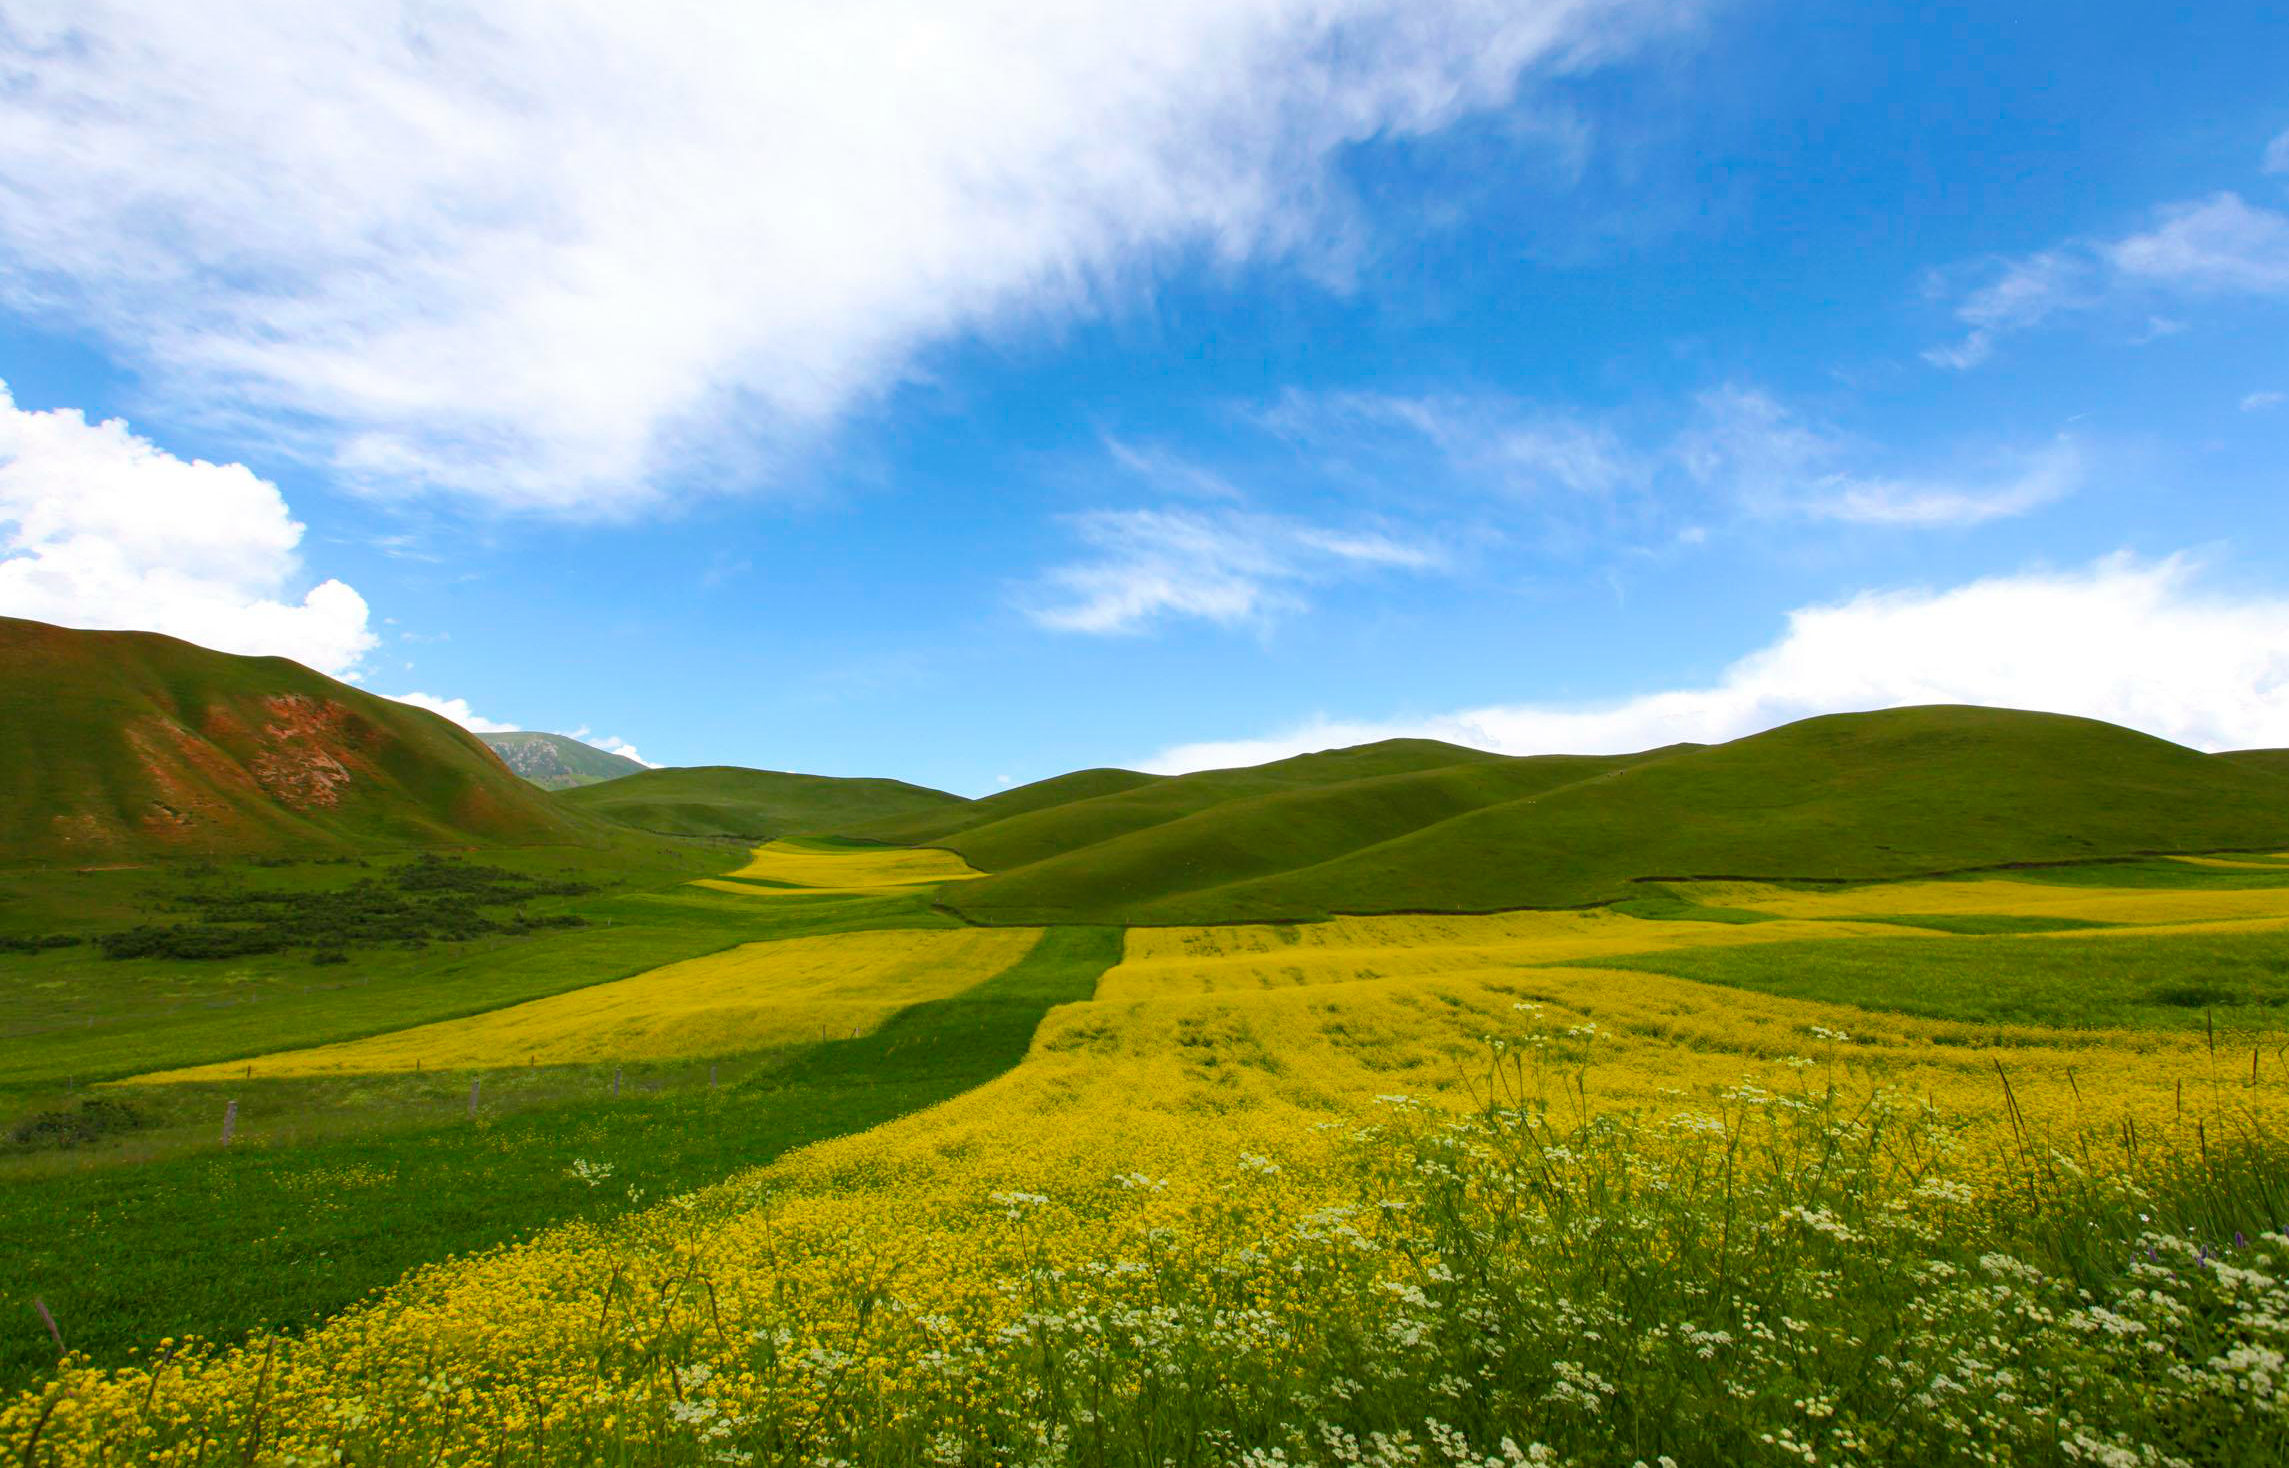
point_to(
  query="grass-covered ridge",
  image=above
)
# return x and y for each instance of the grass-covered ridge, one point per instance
(1023, 838)
(752, 805)
(130, 746)
(939, 823)
(1850, 796)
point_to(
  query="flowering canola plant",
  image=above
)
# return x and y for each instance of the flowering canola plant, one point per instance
(1439, 1210)
(794, 864)
(755, 997)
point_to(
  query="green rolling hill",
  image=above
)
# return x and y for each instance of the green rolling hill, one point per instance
(1847, 796)
(756, 805)
(558, 761)
(933, 826)
(1037, 835)
(122, 746)
(2273, 761)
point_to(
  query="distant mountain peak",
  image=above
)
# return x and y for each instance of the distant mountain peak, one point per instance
(558, 761)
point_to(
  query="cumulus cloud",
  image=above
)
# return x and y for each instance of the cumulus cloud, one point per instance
(1228, 567)
(102, 528)
(541, 253)
(2138, 643)
(612, 744)
(2222, 246)
(458, 710)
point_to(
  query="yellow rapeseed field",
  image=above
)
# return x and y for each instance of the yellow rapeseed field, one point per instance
(755, 997)
(1165, 1202)
(795, 865)
(2000, 897)
(1182, 960)
(2271, 862)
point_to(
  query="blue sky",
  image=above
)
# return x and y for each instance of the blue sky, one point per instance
(972, 393)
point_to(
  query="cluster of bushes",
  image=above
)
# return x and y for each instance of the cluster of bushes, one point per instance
(96, 1118)
(37, 943)
(427, 900)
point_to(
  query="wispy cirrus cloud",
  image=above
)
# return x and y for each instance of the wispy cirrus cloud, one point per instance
(1734, 449)
(1230, 567)
(1776, 461)
(2141, 643)
(543, 255)
(2192, 251)
(1493, 442)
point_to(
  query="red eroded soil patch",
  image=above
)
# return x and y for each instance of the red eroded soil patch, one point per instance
(310, 750)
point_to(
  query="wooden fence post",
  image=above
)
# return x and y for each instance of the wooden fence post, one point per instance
(473, 1098)
(230, 1121)
(49, 1321)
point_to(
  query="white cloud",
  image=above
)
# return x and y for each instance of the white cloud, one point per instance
(2026, 292)
(2137, 643)
(2221, 245)
(2197, 249)
(2258, 402)
(458, 710)
(613, 745)
(1512, 447)
(102, 528)
(1228, 567)
(542, 253)
(2277, 154)
(1775, 461)
(1765, 457)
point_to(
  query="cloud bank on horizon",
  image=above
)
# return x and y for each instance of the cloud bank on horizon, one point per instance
(2135, 643)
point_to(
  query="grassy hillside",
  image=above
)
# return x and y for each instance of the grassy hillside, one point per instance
(558, 761)
(936, 824)
(726, 800)
(1265, 835)
(1022, 839)
(2273, 761)
(123, 746)
(1847, 796)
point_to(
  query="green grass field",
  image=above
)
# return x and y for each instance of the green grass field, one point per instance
(2085, 979)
